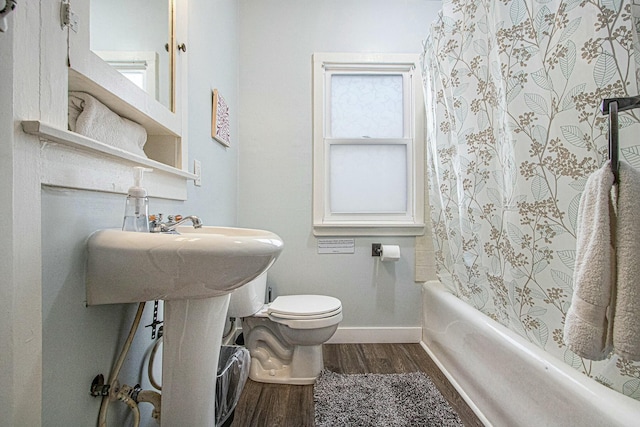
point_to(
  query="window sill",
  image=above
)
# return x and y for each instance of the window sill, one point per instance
(368, 229)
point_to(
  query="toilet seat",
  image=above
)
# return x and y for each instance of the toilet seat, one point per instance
(304, 306)
(305, 311)
(317, 323)
(306, 316)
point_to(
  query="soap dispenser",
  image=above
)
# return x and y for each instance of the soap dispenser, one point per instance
(136, 210)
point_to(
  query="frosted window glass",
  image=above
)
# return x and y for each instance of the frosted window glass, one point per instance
(366, 106)
(368, 178)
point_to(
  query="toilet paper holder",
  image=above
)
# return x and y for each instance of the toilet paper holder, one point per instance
(385, 252)
(376, 249)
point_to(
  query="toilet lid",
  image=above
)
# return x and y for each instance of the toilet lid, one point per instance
(296, 306)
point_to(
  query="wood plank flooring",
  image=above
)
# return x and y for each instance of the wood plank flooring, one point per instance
(275, 405)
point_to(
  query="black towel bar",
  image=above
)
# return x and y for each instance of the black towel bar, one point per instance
(613, 138)
(628, 103)
(612, 106)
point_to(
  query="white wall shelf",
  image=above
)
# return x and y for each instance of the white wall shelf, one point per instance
(74, 161)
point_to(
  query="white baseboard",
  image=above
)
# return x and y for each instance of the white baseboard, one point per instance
(348, 335)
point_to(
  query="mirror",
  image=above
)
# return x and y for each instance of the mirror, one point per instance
(133, 36)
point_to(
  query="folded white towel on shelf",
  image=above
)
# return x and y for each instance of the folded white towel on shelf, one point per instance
(626, 321)
(91, 118)
(588, 324)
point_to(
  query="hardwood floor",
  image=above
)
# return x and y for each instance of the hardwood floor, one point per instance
(274, 405)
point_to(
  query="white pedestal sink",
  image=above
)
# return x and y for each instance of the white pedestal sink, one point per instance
(194, 272)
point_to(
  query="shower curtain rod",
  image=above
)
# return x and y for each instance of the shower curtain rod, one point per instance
(612, 106)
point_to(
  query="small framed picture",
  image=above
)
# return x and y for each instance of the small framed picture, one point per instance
(220, 127)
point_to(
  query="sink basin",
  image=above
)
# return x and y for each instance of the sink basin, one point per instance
(126, 267)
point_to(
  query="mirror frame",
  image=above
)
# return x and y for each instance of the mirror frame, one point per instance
(172, 46)
(122, 40)
(89, 73)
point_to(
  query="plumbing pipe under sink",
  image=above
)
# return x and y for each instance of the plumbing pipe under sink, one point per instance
(113, 378)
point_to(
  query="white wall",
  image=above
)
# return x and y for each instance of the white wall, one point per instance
(212, 52)
(20, 314)
(277, 40)
(6, 211)
(51, 345)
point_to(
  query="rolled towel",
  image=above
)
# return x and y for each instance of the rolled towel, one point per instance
(587, 329)
(93, 119)
(626, 323)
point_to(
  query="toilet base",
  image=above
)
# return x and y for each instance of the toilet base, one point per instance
(304, 367)
(275, 359)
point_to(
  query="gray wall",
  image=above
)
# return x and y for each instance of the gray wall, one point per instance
(277, 40)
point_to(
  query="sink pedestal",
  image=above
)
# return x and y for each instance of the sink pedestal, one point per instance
(193, 331)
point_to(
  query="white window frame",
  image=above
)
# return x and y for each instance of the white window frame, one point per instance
(138, 62)
(406, 223)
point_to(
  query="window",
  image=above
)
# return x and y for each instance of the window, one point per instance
(139, 67)
(368, 145)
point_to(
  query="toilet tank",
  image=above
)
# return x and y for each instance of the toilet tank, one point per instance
(248, 299)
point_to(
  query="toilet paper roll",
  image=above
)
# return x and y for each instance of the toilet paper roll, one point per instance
(390, 253)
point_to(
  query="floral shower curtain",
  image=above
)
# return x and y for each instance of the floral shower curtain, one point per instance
(512, 91)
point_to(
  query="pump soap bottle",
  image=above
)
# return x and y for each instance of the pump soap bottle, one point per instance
(136, 210)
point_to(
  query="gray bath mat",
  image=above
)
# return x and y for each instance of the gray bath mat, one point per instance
(380, 400)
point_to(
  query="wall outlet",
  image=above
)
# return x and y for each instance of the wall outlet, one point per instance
(197, 171)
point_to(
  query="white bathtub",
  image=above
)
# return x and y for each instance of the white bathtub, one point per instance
(507, 380)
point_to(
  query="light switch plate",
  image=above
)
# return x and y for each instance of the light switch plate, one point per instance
(197, 171)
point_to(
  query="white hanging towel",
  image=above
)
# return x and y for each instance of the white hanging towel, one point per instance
(626, 321)
(588, 326)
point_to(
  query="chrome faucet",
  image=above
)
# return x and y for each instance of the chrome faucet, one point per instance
(157, 226)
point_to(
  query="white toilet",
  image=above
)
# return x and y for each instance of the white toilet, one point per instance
(284, 337)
